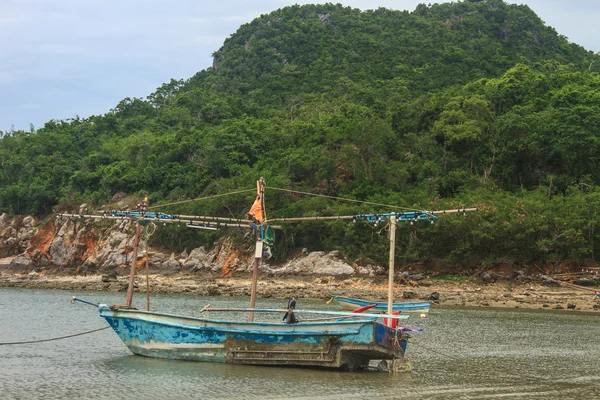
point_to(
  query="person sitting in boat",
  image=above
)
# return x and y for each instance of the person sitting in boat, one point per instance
(290, 316)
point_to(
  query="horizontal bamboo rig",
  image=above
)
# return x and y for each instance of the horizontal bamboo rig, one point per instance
(409, 215)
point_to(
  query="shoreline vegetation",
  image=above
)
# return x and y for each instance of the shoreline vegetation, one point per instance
(460, 292)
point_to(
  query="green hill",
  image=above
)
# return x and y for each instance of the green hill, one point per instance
(315, 49)
(465, 103)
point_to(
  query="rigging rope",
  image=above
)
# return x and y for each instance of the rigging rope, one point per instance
(282, 190)
(149, 232)
(340, 198)
(56, 338)
(201, 198)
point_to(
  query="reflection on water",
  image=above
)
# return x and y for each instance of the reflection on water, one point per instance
(462, 354)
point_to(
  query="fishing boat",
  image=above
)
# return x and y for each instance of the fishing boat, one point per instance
(338, 340)
(381, 306)
(341, 343)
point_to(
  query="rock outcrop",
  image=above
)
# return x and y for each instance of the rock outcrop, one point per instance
(86, 246)
(15, 234)
(315, 263)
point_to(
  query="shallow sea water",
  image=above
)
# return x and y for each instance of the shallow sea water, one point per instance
(463, 353)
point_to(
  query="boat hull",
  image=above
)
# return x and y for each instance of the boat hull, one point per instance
(351, 304)
(340, 344)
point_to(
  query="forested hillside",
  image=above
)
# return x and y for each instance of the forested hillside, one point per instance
(472, 103)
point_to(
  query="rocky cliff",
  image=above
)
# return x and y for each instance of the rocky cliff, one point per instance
(84, 247)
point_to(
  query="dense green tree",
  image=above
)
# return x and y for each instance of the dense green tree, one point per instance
(455, 104)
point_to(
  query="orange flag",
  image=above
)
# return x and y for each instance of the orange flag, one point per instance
(257, 211)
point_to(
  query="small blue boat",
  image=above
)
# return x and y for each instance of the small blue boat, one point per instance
(382, 306)
(342, 343)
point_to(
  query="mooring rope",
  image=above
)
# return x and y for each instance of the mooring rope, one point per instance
(56, 338)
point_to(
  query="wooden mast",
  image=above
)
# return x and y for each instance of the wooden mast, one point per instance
(147, 268)
(136, 243)
(391, 267)
(260, 191)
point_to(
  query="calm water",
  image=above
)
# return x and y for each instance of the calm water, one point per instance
(462, 354)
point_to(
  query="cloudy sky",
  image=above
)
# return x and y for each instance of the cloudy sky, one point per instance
(61, 58)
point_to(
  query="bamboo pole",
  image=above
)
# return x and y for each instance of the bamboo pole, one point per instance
(336, 217)
(192, 218)
(300, 219)
(208, 218)
(329, 318)
(136, 243)
(262, 198)
(242, 224)
(283, 310)
(391, 267)
(191, 222)
(260, 191)
(458, 210)
(257, 259)
(147, 272)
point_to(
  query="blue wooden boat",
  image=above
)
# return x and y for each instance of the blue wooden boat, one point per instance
(382, 306)
(343, 343)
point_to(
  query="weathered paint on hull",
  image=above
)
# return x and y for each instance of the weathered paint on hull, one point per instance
(350, 304)
(338, 344)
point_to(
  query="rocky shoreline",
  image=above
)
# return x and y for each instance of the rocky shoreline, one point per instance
(71, 254)
(469, 293)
